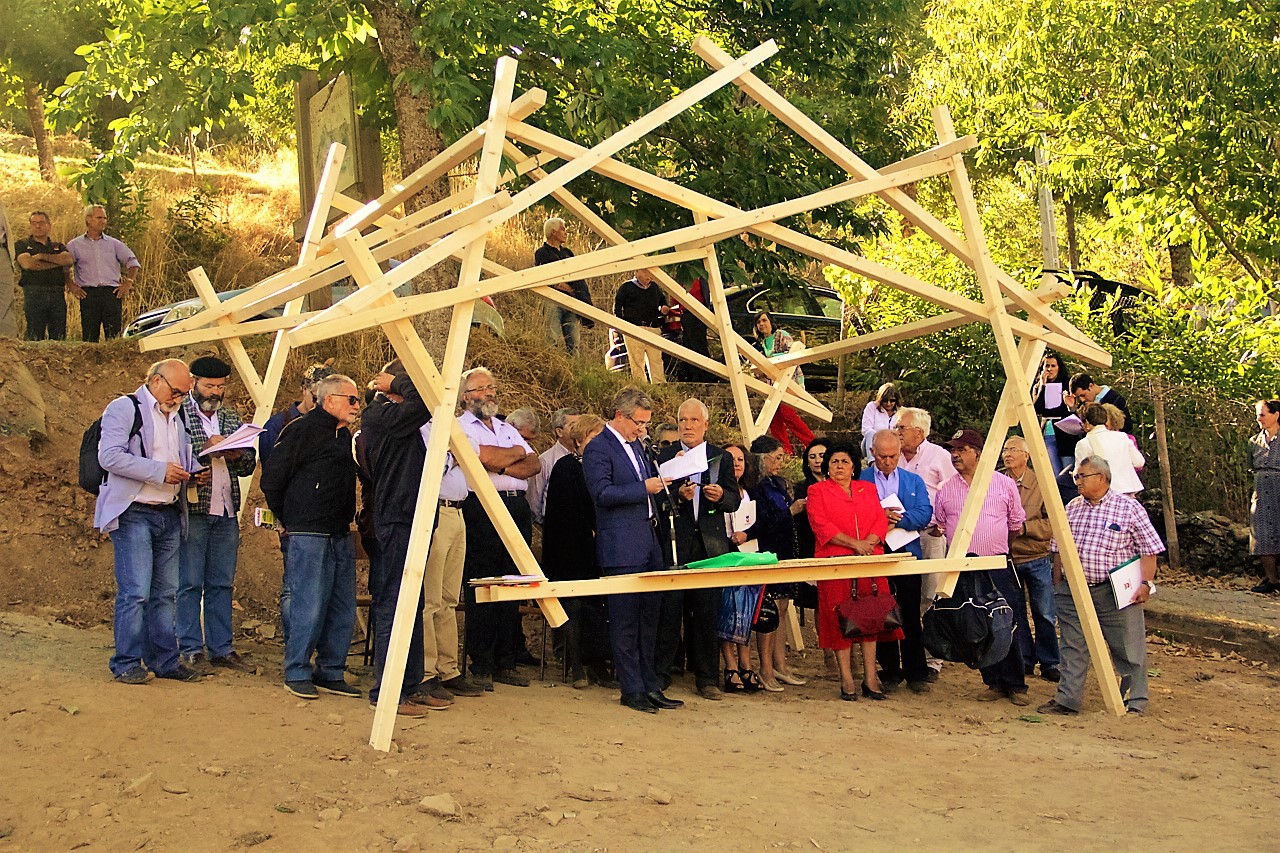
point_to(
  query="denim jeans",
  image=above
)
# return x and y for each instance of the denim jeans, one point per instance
(318, 605)
(207, 568)
(146, 553)
(1037, 583)
(563, 323)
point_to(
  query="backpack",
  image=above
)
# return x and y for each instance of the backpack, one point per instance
(91, 474)
(973, 627)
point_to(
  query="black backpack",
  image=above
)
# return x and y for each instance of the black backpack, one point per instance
(974, 626)
(91, 474)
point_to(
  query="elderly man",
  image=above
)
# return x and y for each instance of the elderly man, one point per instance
(103, 272)
(1030, 552)
(147, 456)
(493, 630)
(310, 485)
(933, 465)
(207, 566)
(910, 511)
(561, 322)
(624, 486)
(701, 503)
(305, 403)
(45, 264)
(642, 303)
(560, 423)
(1110, 529)
(1000, 518)
(395, 454)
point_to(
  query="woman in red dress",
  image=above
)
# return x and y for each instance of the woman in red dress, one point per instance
(847, 519)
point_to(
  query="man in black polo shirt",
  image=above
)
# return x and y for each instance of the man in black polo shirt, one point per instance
(560, 320)
(44, 264)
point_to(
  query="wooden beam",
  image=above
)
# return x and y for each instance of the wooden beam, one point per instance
(724, 329)
(235, 348)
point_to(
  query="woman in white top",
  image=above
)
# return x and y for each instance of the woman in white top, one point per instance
(1121, 454)
(878, 414)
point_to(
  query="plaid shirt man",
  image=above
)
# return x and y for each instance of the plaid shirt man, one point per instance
(1109, 532)
(228, 422)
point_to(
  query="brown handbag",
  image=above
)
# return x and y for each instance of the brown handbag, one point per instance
(863, 617)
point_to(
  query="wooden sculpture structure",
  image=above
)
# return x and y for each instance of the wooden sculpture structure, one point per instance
(457, 227)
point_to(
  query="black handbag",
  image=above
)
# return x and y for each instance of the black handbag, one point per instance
(974, 626)
(767, 619)
(862, 617)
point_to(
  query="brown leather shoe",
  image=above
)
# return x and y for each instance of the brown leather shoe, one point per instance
(429, 702)
(710, 691)
(406, 709)
(991, 694)
(1020, 699)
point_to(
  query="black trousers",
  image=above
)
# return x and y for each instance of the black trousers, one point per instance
(586, 634)
(385, 574)
(699, 611)
(493, 629)
(905, 659)
(45, 308)
(100, 309)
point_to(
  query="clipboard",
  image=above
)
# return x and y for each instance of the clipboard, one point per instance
(1126, 580)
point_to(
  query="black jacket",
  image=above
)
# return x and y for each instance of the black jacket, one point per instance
(310, 479)
(569, 524)
(705, 536)
(395, 451)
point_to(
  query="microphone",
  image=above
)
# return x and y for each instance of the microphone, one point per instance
(649, 450)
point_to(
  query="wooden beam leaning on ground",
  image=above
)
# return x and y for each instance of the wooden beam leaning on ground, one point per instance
(692, 200)
(842, 156)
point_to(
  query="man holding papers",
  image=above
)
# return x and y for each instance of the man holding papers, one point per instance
(1110, 530)
(905, 499)
(207, 560)
(697, 471)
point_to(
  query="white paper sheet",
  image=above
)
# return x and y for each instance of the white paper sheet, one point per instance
(892, 502)
(687, 464)
(1126, 579)
(1053, 395)
(896, 538)
(241, 438)
(1071, 425)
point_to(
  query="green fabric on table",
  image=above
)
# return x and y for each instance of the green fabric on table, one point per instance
(737, 558)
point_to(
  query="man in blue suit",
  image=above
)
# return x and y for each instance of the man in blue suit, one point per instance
(906, 658)
(623, 484)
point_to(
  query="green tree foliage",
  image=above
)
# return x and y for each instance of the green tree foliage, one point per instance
(1168, 105)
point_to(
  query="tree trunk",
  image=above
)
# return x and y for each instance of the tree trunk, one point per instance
(419, 141)
(1180, 264)
(34, 95)
(1073, 244)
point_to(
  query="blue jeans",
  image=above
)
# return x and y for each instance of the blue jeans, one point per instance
(318, 605)
(207, 567)
(561, 322)
(1037, 583)
(146, 553)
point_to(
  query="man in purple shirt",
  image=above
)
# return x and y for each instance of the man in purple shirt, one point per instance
(1001, 518)
(103, 272)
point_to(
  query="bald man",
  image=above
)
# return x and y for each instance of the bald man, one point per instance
(146, 453)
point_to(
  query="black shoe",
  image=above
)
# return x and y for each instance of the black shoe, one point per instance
(1052, 707)
(1050, 673)
(751, 682)
(302, 689)
(733, 682)
(1266, 587)
(510, 678)
(600, 677)
(180, 673)
(849, 697)
(661, 701)
(872, 694)
(338, 687)
(134, 675)
(198, 663)
(888, 685)
(484, 682)
(918, 686)
(932, 676)
(526, 659)
(459, 686)
(233, 660)
(638, 702)
(1029, 669)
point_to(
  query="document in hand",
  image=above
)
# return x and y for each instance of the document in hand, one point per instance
(687, 464)
(1071, 425)
(241, 438)
(1126, 579)
(896, 537)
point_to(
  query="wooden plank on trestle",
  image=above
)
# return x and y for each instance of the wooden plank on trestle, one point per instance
(785, 571)
(1017, 368)
(842, 156)
(234, 346)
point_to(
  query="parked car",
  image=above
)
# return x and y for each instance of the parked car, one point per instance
(155, 319)
(810, 314)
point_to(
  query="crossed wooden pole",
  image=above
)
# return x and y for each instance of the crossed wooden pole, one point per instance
(456, 228)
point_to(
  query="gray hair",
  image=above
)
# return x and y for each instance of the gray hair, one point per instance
(524, 417)
(919, 418)
(331, 385)
(629, 399)
(90, 208)
(883, 435)
(550, 225)
(1098, 464)
(694, 401)
(665, 426)
(560, 417)
(1020, 442)
(466, 377)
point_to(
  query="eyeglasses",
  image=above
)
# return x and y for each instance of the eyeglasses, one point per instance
(481, 389)
(638, 423)
(666, 442)
(1080, 478)
(350, 398)
(173, 392)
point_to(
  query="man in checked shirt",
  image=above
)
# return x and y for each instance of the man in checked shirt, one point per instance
(1109, 529)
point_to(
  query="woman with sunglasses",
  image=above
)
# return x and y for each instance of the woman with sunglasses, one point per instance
(878, 414)
(787, 423)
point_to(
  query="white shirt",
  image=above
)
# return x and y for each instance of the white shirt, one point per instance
(167, 435)
(453, 486)
(220, 497)
(502, 434)
(1120, 453)
(873, 420)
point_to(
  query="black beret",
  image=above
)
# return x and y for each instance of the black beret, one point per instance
(210, 367)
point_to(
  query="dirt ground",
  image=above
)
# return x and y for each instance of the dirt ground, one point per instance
(235, 762)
